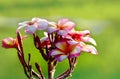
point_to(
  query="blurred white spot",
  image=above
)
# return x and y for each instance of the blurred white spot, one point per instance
(9, 21)
(95, 26)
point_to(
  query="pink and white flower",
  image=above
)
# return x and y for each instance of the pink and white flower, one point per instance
(9, 43)
(82, 37)
(65, 49)
(63, 27)
(33, 25)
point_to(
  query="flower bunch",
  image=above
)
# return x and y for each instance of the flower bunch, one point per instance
(61, 41)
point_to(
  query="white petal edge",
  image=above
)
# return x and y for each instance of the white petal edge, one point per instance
(55, 52)
(89, 39)
(89, 48)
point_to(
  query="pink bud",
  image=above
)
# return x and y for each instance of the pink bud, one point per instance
(9, 43)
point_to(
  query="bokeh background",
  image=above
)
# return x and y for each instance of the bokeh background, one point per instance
(101, 17)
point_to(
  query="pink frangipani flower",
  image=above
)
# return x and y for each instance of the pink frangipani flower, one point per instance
(9, 43)
(63, 27)
(57, 42)
(65, 49)
(33, 25)
(81, 37)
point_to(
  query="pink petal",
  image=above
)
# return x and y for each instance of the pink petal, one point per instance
(88, 39)
(62, 21)
(61, 57)
(61, 45)
(74, 55)
(8, 40)
(9, 43)
(42, 25)
(30, 29)
(85, 32)
(55, 52)
(89, 48)
(69, 25)
(75, 52)
(62, 32)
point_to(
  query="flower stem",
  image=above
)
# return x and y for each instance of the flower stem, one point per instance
(51, 70)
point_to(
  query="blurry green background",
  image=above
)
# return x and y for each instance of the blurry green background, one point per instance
(101, 17)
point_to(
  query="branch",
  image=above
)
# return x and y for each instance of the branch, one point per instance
(40, 71)
(37, 44)
(68, 72)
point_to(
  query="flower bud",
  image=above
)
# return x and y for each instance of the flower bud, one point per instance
(9, 43)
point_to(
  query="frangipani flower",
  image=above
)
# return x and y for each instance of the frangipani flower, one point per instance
(45, 42)
(9, 43)
(62, 28)
(33, 25)
(88, 48)
(81, 37)
(60, 41)
(65, 49)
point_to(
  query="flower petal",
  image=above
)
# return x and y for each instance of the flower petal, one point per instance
(9, 43)
(62, 21)
(43, 39)
(74, 55)
(69, 25)
(89, 48)
(85, 32)
(35, 19)
(72, 42)
(55, 52)
(88, 39)
(52, 24)
(61, 57)
(62, 32)
(42, 25)
(30, 29)
(22, 25)
(51, 29)
(25, 23)
(75, 52)
(61, 45)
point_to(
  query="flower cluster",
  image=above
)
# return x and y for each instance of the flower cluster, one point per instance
(60, 39)
(70, 44)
